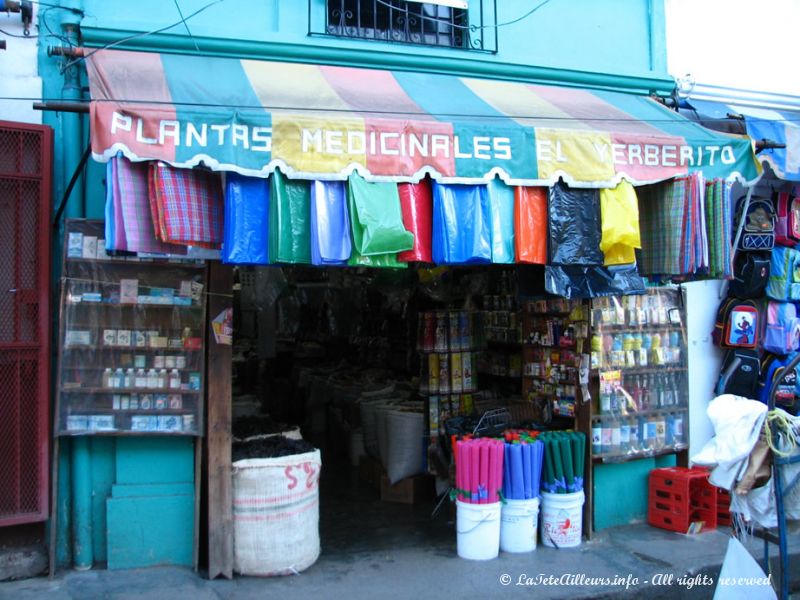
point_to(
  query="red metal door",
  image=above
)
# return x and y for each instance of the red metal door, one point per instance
(25, 161)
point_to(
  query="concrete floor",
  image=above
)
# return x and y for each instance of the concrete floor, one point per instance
(375, 549)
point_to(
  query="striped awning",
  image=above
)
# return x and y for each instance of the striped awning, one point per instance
(323, 122)
(779, 126)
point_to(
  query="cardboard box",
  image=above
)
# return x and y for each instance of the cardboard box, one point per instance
(411, 490)
(370, 471)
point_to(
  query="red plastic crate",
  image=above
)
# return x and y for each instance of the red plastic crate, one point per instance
(679, 497)
(723, 508)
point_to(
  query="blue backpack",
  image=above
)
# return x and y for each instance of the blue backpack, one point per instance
(782, 332)
(786, 394)
(784, 274)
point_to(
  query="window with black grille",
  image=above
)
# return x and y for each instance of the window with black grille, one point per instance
(399, 21)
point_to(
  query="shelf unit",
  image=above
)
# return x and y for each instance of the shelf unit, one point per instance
(124, 319)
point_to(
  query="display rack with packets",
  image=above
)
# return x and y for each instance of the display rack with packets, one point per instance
(131, 356)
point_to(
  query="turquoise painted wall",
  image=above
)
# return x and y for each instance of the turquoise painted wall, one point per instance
(620, 491)
(621, 37)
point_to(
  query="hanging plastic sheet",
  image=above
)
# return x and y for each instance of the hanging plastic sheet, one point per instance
(381, 261)
(501, 209)
(530, 224)
(461, 224)
(417, 205)
(574, 226)
(591, 282)
(376, 218)
(289, 220)
(619, 209)
(246, 233)
(330, 223)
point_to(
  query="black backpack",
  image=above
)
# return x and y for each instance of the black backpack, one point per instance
(740, 373)
(750, 275)
(758, 232)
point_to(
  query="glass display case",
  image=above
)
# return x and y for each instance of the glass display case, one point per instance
(131, 340)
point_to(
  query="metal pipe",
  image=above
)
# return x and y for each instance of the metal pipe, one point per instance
(230, 48)
(82, 549)
(58, 106)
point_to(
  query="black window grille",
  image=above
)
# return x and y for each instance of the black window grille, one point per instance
(405, 22)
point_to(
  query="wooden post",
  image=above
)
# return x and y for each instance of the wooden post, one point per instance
(218, 438)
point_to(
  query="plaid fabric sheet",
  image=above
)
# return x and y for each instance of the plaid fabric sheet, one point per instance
(186, 205)
(663, 218)
(130, 184)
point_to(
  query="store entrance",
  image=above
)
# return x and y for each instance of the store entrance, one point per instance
(336, 356)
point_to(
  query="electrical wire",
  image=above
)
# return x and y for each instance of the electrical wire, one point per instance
(16, 35)
(141, 35)
(186, 25)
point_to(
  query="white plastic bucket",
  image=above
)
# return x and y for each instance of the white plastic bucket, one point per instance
(518, 525)
(562, 519)
(477, 530)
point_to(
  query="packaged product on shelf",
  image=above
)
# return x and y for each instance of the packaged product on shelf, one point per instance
(128, 291)
(194, 381)
(140, 361)
(134, 401)
(89, 250)
(433, 373)
(170, 423)
(139, 339)
(115, 402)
(160, 401)
(188, 422)
(146, 401)
(444, 374)
(454, 337)
(123, 337)
(77, 423)
(101, 423)
(75, 245)
(467, 367)
(433, 415)
(456, 379)
(442, 328)
(175, 401)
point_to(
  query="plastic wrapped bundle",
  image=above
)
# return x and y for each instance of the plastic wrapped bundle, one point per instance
(461, 224)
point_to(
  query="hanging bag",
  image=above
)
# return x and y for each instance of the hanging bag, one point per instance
(758, 232)
(787, 220)
(740, 373)
(501, 209)
(574, 226)
(330, 224)
(289, 220)
(461, 224)
(416, 205)
(619, 210)
(246, 230)
(737, 324)
(530, 224)
(782, 332)
(781, 273)
(750, 275)
(376, 218)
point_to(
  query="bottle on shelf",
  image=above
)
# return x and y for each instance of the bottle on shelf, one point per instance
(633, 427)
(152, 378)
(661, 431)
(615, 436)
(605, 436)
(162, 379)
(141, 379)
(119, 378)
(107, 375)
(678, 431)
(129, 379)
(597, 438)
(624, 436)
(174, 379)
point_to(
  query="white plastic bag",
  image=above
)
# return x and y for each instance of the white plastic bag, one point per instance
(741, 577)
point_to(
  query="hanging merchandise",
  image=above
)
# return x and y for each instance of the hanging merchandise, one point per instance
(501, 210)
(289, 220)
(130, 187)
(380, 261)
(416, 204)
(115, 232)
(676, 206)
(530, 224)
(574, 226)
(619, 209)
(330, 224)
(522, 470)
(750, 275)
(782, 333)
(186, 205)
(479, 470)
(564, 453)
(376, 218)
(786, 392)
(740, 373)
(737, 324)
(246, 231)
(461, 224)
(591, 282)
(719, 226)
(784, 275)
(787, 223)
(758, 231)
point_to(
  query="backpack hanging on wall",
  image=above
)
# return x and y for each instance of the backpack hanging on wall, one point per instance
(787, 223)
(784, 274)
(758, 232)
(737, 324)
(782, 332)
(750, 275)
(786, 394)
(739, 374)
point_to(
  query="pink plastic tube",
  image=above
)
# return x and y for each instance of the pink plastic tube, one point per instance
(484, 473)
